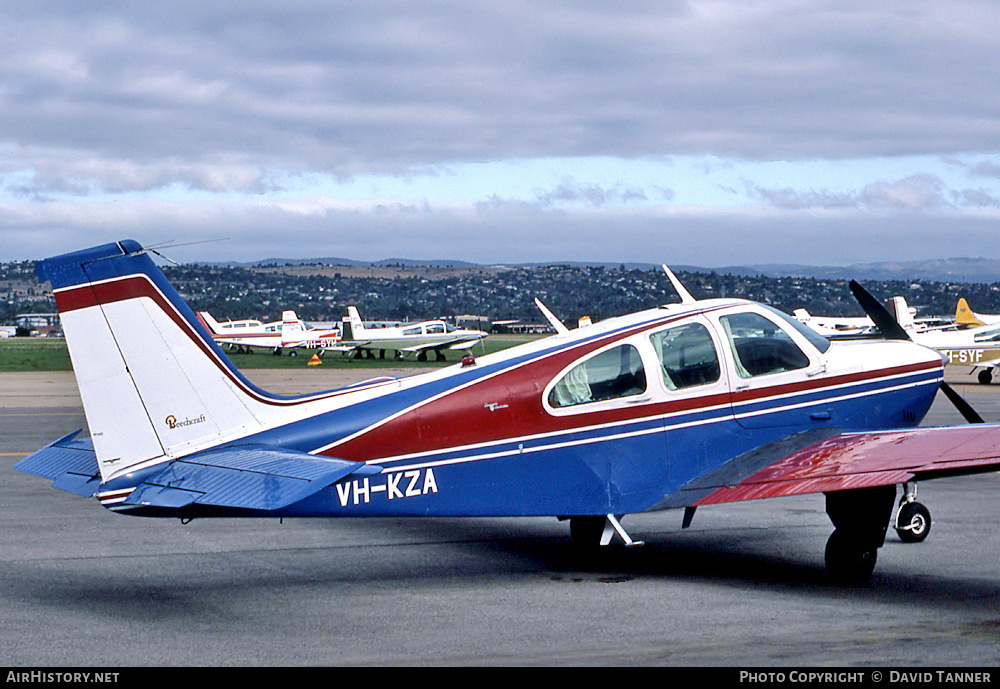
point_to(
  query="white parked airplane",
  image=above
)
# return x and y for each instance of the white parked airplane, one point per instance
(418, 338)
(288, 333)
(977, 346)
(827, 326)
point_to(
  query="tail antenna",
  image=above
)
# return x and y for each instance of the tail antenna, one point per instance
(170, 244)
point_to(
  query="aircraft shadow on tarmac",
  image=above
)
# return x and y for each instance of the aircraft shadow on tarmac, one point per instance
(415, 552)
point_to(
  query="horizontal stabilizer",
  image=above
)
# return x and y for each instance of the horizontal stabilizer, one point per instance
(252, 477)
(70, 464)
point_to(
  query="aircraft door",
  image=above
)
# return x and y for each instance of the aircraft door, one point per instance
(695, 388)
(773, 366)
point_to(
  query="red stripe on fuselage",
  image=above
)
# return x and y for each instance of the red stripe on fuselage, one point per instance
(510, 405)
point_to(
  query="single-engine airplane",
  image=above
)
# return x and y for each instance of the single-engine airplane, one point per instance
(410, 338)
(682, 406)
(833, 326)
(288, 333)
(962, 343)
(965, 316)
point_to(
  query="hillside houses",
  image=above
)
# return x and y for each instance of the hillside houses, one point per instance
(322, 293)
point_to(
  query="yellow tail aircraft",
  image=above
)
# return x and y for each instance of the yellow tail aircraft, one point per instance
(965, 316)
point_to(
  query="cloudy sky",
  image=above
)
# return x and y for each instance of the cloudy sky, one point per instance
(705, 133)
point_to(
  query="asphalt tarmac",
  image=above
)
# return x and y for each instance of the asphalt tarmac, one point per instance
(744, 586)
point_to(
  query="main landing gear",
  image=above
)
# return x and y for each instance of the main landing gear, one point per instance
(860, 518)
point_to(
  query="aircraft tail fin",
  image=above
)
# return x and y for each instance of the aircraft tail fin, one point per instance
(352, 327)
(901, 312)
(153, 382)
(964, 315)
(210, 323)
(292, 328)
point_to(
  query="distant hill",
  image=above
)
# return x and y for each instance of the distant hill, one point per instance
(978, 270)
(972, 270)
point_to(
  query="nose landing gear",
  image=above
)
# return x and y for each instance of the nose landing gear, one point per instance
(913, 520)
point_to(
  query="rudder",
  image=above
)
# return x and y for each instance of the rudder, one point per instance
(153, 383)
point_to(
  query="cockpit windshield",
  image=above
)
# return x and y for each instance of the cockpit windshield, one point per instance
(817, 340)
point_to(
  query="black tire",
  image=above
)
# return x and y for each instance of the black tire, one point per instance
(586, 532)
(985, 377)
(913, 522)
(847, 562)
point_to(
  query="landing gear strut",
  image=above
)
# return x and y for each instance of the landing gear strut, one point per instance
(860, 518)
(593, 531)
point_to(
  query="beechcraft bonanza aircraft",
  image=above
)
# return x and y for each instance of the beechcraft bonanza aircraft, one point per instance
(409, 338)
(683, 406)
(288, 333)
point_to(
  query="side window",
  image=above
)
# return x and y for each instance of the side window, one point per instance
(687, 356)
(760, 346)
(609, 375)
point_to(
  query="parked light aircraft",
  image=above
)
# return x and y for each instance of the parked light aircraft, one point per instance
(683, 406)
(410, 338)
(831, 325)
(964, 315)
(844, 327)
(288, 333)
(977, 346)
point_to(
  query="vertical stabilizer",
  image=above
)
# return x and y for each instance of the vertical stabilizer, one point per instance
(901, 312)
(965, 316)
(153, 383)
(210, 323)
(353, 328)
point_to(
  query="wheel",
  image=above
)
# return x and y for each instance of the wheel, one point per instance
(586, 532)
(985, 377)
(913, 522)
(847, 561)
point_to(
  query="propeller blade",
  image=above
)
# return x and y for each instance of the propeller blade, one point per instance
(964, 408)
(880, 316)
(892, 330)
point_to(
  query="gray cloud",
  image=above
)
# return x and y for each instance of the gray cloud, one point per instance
(594, 195)
(346, 87)
(916, 192)
(226, 98)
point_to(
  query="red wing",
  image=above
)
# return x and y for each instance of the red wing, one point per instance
(852, 460)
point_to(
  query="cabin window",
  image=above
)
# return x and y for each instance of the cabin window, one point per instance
(988, 336)
(412, 331)
(687, 356)
(612, 374)
(760, 346)
(435, 328)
